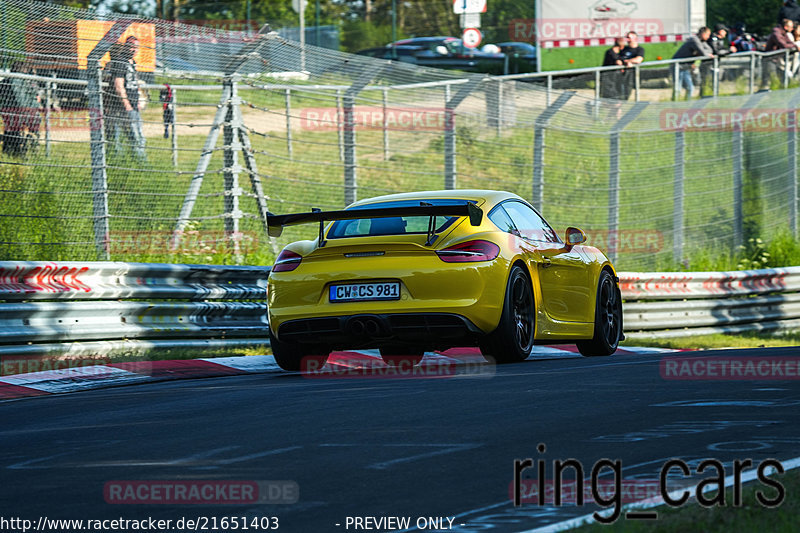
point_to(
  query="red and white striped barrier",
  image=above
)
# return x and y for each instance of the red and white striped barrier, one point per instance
(684, 285)
(609, 41)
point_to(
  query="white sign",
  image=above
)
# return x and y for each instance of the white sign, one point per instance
(469, 6)
(470, 20)
(597, 19)
(471, 37)
(299, 5)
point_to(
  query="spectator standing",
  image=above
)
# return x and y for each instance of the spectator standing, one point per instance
(779, 39)
(124, 104)
(168, 109)
(610, 80)
(694, 46)
(631, 55)
(720, 48)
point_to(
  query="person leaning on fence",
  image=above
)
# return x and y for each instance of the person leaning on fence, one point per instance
(611, 80)
(122, 103)
(779, 39)
(720, 48)
(631, 55)
(695, 46)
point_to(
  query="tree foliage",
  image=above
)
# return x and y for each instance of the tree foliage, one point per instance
(760, 16)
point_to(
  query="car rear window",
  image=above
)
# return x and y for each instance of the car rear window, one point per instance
(365, 227)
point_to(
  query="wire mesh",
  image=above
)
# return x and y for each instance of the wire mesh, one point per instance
(653, 181)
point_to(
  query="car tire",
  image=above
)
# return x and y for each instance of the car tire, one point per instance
(399, 356)
(295, 357)
(512, 340)
(607, 319)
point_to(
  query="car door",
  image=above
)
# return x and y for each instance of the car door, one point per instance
(563, 273)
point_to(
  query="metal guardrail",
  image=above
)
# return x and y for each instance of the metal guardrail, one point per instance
(49, 305)
(677, 304)
(97, 307)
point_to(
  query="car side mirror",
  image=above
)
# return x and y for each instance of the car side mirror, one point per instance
(575, 236)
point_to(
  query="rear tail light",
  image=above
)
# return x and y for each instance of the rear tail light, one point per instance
(468, 252)
(287, 261)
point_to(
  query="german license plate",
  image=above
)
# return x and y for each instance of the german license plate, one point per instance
(359, 292)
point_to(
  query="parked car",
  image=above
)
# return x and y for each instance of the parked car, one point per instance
(413, 272)
(438, 52)
(404, 53)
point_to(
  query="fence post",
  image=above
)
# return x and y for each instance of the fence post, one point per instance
(450, 105)
(752, 80)
(538, 148)
(596, 87)
(676, 82)
(48, 104)
(233, 191)
(174, 128)
(613, 176)
(289, 122)
(715, 76)
(339, 130)
(98, 151)
(350, 182)
(738, 213)
(678, 194)
(786, 68)
(449, 142)
(549, 89)
(385, 125)
(637, 80)
(791, 145)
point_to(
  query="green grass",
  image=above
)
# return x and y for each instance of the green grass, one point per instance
(719, 340)
(592, 56)
(692, 518)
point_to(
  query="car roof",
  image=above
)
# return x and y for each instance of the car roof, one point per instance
(491, 197)
(427, 39)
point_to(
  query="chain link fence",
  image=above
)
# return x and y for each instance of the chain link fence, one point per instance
(240, 123)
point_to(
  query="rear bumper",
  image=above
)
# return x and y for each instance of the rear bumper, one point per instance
(429, 330)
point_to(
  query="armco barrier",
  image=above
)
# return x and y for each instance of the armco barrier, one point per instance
(50, 308)
(64, 307)
(675, 304)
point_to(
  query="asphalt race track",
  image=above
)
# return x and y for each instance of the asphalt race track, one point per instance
(377, 447)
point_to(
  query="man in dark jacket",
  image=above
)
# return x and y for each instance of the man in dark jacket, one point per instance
(779, 39)
(720, 48)
(694, 46)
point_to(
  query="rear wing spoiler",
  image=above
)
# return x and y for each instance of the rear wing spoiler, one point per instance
(276, 223)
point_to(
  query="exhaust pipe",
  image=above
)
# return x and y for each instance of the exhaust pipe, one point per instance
(357, 327)
(372, 327)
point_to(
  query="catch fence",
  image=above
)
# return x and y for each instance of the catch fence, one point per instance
(264, 124)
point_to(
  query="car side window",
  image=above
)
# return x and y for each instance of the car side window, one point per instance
(531, 226)
(501, 219)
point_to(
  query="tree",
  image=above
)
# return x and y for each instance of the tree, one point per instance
(760, 16)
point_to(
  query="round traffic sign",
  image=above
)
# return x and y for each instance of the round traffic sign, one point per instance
(471, 37)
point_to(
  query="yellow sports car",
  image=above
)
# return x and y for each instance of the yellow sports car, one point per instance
(409, 273)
